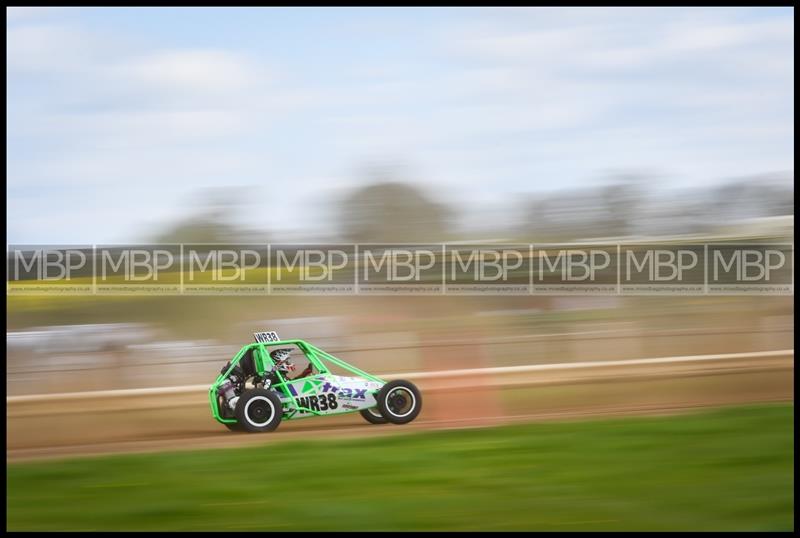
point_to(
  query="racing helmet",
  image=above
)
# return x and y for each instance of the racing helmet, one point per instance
(281, 359)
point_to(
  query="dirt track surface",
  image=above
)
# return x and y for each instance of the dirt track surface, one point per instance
(144, 423)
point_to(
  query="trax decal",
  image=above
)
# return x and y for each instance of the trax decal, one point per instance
(345, 392)
(327, 393)
(313, 386)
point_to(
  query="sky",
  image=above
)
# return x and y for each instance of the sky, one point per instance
(119, 119)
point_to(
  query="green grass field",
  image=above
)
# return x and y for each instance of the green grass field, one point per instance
(728, 469)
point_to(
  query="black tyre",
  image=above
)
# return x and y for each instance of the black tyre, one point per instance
(234, 426)
(399, 401)
(373, 416)
(259, 410)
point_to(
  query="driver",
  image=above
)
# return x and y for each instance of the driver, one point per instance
(281, 357)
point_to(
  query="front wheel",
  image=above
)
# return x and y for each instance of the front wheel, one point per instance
(399, 401)
(373, 416)
(259, 410)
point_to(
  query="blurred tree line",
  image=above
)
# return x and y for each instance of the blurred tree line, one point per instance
(390, 210)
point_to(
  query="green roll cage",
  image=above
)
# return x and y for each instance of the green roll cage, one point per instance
(263, 363)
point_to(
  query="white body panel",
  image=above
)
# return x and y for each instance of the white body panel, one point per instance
(330, 394)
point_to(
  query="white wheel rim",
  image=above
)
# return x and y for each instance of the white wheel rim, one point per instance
(410, 409)
(375, 413)
(271, 411)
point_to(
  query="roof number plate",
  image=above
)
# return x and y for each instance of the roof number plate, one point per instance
(267, 336)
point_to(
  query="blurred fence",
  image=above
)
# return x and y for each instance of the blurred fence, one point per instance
(171, 363)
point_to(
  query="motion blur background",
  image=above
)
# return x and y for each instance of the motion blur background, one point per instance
(358, 125)
(393, 125)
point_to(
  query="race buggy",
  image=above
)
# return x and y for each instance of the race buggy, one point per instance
(274, 395)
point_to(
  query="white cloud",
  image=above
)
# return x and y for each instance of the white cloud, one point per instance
(47, 48)
(195, 71)
(19, 14)
(621, 42)
(513, 100)
(697, 36)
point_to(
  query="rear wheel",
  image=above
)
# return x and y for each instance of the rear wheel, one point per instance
(373, 416)
(259, 410)
(399, 401)
(234, 426)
